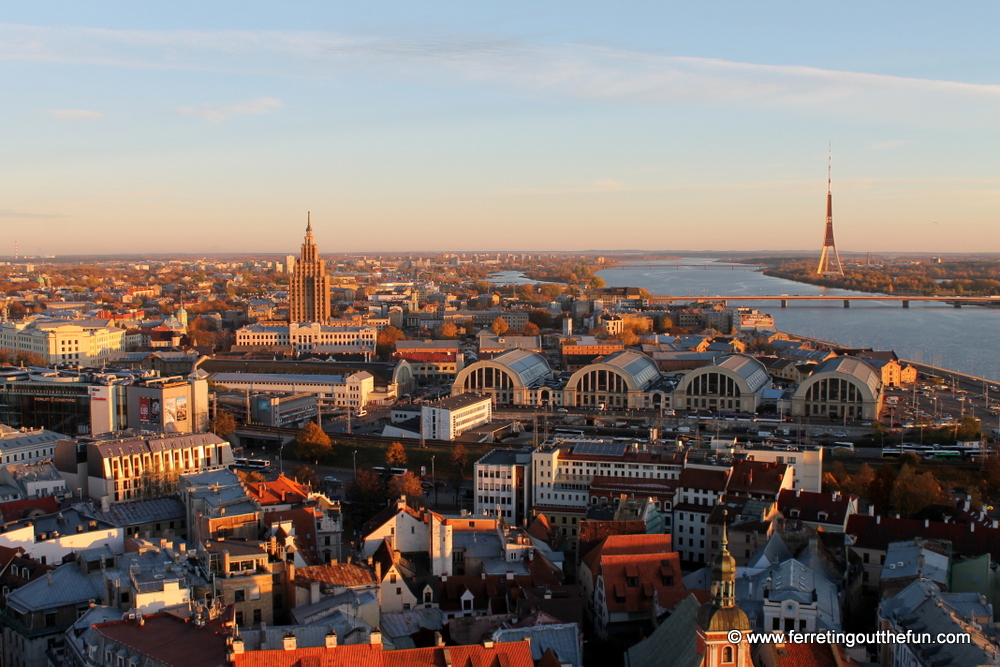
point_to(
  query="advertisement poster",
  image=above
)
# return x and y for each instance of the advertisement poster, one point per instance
(154, 410)
(144, 408)
(169, 410)
(182, 408)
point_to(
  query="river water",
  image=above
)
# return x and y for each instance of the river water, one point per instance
(960, 339)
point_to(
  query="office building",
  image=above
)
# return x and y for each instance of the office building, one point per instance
(310, 285)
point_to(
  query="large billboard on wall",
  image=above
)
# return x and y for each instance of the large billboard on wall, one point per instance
(182, 408)
(144, 409)
(169, 410)
(155, 411)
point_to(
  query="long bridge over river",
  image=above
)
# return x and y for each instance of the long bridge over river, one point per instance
(957, 301)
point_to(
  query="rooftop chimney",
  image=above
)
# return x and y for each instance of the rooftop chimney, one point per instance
(375, 638)
(289, 643)
(330, 641)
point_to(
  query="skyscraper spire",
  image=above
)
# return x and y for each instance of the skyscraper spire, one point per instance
(309, 287)
(829, 258)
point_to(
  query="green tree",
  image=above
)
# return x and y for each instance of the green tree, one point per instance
(969, 428)
(499, 326)
(395, 456)
(312, 443)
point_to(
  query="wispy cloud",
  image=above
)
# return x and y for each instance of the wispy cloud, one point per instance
(517, 66)
(74, 114)
(886, 145)
(26, 215)
(218, 113)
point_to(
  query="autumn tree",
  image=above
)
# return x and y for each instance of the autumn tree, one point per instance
(449, 330)
(303, 474)
(406, 484)
(223, 425)
(914, 491)
(395, 456)
(250, 477)
(859, 482)
(530, 329)
(312, 443)
(460, 458)
(880, 489)
(366, 493)
(499, 326)
(386, 340)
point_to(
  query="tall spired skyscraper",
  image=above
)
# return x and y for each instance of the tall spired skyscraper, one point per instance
(829, 258)
(310, 286)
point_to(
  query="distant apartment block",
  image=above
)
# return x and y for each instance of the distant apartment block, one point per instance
(76, 342)
(451, 417)
(124, 467)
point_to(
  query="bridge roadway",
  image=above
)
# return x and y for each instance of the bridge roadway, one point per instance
(956, 301)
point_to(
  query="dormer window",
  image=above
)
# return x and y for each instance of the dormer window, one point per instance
(794, 514)
(823, 516)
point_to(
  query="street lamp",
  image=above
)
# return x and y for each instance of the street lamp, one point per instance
(434, 479)
(355, 465)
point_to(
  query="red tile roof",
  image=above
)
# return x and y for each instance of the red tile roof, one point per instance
(339, 574)
(877, 532)
(628, 545)
(281, 491)
(19, 509)
(809, 504)
(594, 532)
(811, 655)
(169, 640)
(701, 478)
(632, 582)
(757, 478)
(508, 654)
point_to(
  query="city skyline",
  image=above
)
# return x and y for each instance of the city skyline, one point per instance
(456, 128)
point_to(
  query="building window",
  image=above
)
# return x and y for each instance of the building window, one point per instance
(727, 654)
(240, 595)
(256, 616)
(239, 619)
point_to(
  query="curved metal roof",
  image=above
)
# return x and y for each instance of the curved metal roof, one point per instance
(853, 367)
(748, 368)
(529, 367)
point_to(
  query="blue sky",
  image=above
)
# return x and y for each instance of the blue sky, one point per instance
(479, 126)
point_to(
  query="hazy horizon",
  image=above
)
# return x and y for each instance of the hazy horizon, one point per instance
(408, 127)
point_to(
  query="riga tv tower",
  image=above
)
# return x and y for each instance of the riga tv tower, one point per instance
(829, 258)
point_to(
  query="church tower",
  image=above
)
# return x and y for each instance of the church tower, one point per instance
(310, 285)
(716, 619)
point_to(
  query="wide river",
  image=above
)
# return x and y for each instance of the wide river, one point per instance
(960, 339)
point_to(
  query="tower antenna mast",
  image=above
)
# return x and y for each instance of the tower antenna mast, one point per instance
(829, 258)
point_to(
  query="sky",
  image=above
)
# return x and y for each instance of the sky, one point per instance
(460, 126)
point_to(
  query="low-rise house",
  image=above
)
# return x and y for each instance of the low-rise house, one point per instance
(924, 610)
(33, 479)
(829, 511)
(915, 559)
(52, 537)
(638, 545)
